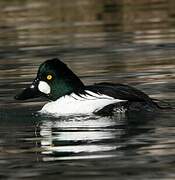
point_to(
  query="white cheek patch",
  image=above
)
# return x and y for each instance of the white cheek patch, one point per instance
(44, 87)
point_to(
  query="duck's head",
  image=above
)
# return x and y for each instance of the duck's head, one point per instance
(54, 79)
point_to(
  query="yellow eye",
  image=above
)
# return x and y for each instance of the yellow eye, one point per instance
(49, 77)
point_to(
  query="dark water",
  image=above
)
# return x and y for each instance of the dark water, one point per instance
(131, 42)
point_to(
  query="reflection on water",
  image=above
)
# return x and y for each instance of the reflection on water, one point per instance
(131, 42)
(78, 136)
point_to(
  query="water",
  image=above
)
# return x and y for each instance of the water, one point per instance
(131, 42)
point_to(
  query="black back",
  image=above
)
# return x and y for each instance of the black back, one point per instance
(120, 91)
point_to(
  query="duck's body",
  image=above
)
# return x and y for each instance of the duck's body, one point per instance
(86, 103)
(70, 96)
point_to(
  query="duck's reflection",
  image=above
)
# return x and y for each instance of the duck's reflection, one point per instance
(80, 137)
(66, 138)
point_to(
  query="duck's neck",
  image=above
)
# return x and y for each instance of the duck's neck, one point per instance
(62, 88)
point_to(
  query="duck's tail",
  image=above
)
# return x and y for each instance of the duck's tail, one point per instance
(162, 104)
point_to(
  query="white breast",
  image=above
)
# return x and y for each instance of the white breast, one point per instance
(74, 104)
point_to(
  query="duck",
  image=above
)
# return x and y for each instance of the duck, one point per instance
(68, 95)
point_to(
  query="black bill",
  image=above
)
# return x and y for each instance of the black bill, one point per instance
(30, 92)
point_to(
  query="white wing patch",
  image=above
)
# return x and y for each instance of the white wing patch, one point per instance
(79, 104)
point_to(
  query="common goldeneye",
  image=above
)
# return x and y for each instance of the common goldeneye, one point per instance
(69, 95)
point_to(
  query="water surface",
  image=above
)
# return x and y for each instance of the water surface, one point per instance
(131, 42)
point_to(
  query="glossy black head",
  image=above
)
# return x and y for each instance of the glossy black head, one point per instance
(54, 79)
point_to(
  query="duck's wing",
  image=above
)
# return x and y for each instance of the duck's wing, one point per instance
(120, 91)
